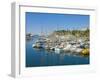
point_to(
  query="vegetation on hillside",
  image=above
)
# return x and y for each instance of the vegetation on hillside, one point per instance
(77, 33)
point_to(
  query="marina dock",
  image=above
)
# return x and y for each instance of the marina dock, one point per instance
(65, 43)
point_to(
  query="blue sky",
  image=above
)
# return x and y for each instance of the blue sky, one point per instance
(47, 22)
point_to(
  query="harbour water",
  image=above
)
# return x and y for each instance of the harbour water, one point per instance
(40, 57)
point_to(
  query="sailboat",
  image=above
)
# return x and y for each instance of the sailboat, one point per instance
(40, 43)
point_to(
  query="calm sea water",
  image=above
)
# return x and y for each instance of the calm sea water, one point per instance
(41, 57)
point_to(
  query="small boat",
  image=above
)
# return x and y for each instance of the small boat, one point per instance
(78, 50)
(57, 50)
(33, 45)
(38, 44)
(67, 48)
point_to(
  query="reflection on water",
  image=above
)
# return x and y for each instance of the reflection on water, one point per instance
(41, 57)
